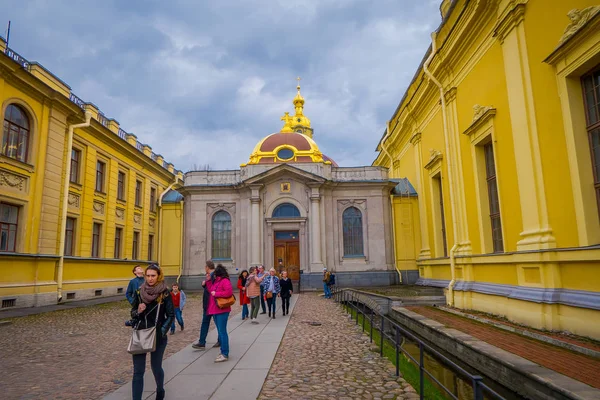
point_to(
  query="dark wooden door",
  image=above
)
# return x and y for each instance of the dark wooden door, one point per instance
(287, 249)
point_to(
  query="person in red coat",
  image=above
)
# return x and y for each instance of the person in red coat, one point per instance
(244, 300)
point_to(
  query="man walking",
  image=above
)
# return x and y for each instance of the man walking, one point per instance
(326, 290)
(135, 283)
(201, 345)
(261, 273)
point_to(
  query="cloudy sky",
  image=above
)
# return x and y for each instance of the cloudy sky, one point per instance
(202, 81)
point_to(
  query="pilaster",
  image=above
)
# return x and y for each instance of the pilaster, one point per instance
(255, 225)
(425, 252)
(315, 229)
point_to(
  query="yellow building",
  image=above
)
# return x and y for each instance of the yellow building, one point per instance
(498, 132)
(80, 198)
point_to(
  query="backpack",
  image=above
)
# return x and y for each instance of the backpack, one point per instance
(331, 279)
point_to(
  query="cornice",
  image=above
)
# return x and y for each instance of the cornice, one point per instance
(450, 95)
(415, 139)
(512, 15)
(583, 23)
(435, 157)
(482, 114)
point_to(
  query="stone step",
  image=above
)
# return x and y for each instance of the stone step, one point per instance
(420, 300)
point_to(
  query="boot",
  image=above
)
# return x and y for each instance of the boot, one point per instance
(160, 395)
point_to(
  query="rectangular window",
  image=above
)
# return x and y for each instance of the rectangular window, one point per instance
(138, 193)
(75, 162)
(150, 247)
(69, 236)
(492, 184)
(118, 242)
(591, 96)
(152, 199)
(9, 218)
(100, 170)
(96, 232)
(121, 186)
(136, 244)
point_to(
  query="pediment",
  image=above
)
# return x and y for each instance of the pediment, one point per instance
(281, 171)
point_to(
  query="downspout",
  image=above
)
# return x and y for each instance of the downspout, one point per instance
(160, 219)
(65, 203)
(391, 199)
(449, 165)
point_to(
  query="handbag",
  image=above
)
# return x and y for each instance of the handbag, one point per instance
(224, 302)
(144, 340)
(269, 295)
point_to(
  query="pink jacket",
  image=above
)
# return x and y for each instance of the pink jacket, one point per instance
(222, 288)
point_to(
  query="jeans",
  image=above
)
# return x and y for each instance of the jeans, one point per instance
(221, 323)
(262, 299)
(139, 367)
(204, 328)
(271, 304)
(254, 305)
(326, 290)
(179, 319)
(245, 312)
(285, 304)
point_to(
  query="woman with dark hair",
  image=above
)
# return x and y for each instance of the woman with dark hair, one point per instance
(244, 300)
(220, 288)
(151, 298)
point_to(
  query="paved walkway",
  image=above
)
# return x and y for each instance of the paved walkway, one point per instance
(332, 360)
(192, 374)
(577, 366)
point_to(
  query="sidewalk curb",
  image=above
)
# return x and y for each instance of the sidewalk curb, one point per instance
(525, 332)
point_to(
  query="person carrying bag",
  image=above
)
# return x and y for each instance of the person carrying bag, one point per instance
(219, 306)
(153, 313)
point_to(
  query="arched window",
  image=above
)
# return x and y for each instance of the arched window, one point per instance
(221, 236)
(15, 138)
(286, 210)
(353, 232)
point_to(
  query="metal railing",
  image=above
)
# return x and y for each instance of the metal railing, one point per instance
(77, 101)
(102, 119)
(17, 58)
(122, 134)
(357, 306)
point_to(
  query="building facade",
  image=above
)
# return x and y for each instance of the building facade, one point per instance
(499, 133)
(290, 202)
(80, 198)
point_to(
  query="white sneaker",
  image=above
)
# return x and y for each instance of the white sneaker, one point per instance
(221, 358)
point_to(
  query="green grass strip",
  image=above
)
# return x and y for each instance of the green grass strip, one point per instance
(408, 370)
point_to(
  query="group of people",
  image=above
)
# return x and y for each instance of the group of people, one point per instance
(153, 304)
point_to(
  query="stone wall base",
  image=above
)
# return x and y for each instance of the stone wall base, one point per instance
(309, 281)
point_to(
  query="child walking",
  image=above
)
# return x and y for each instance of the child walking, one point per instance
(178, 298)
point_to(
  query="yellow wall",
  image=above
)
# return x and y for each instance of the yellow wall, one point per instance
(36, 188)
(171, 252)
(504, 61)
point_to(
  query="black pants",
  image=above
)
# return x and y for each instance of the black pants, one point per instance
(285, 304)
(139, 367)
(272, 304)
(262, 300)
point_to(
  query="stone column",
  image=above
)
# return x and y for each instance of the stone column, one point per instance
(315, 230)
(425, 251)
(537, 233)
(255, 221)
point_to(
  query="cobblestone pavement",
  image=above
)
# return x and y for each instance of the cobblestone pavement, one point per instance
(577, 366)
(78, 353)
(332, 360)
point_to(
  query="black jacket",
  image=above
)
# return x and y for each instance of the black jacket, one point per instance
(147, 318)
(286, 287)
(206, 293)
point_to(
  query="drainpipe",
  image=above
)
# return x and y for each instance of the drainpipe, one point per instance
(391, 199)
(449, 162)
(160, 219)
(181, 252)
(65, 203)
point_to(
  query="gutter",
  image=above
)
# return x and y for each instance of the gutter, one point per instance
(65, 202)
(449, 161)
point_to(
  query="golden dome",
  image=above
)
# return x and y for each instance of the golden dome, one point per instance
(293, 143)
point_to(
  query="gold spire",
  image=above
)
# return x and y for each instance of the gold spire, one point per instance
(299, 122)
(299, 100)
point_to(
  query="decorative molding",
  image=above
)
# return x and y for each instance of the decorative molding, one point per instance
(137, 218)
(74, 200)
(578, 20)
(360, 203)
(98, 207)
(435, 157)
(415, 139)
(512, 16)
(224, 206)
(120, 214)
(151, 222)
(450, 95)
(13, 181)
(481, 115)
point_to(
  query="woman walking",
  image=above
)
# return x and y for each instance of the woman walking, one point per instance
(286, 292)
(253, 293)
(220, 288)
(151, 298)
(271, 287)
(244, 300)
